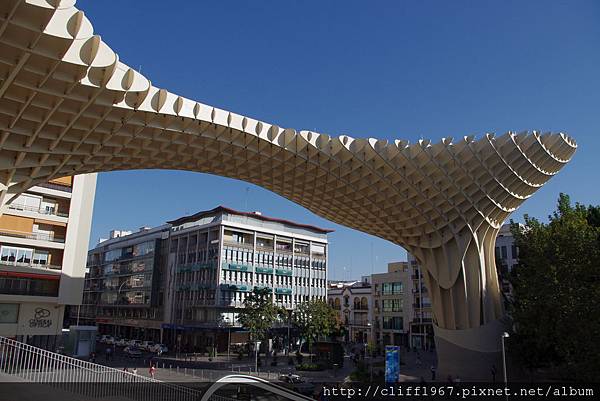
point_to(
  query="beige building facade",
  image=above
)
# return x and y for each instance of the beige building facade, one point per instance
(44, 234)
(392, 305)
(353, 303)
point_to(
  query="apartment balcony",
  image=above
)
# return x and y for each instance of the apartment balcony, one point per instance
(57, 187)
(235, 282)
(237, 304)
(235, 244)
(288, 252)
(34, 236)
(237, 267)
(390, 310)
(37, 210)
(196, 266)
(263, 286)
(284, 272)
(360, 324)
(238, 286)
(422, 320)
(31, 265)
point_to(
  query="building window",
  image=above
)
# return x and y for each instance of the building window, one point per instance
(40, 257)
(28, 286)
(392, 288)
(143, 249)
(16, 255)
(113, 254)
(392, 323)
(392, 305)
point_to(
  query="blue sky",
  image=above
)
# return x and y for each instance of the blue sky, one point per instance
(383, 69)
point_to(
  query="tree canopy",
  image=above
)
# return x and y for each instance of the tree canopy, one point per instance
(556, 292)
(259, 313)
(315, 318)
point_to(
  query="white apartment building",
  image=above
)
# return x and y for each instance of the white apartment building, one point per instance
(217, 257)
(44, 235)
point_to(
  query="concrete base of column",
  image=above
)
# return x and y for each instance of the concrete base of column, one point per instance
(470, 354)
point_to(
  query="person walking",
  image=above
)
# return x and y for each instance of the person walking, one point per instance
(152, 371)
(432, 372)
(134, 371)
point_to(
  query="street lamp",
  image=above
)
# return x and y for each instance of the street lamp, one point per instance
(228, 339)
(288, 331)
(504, 335)
(118, 300)
(368, 349)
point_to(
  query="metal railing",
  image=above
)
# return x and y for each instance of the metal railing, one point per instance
(37, 209)
(36, 236)
(37, 365)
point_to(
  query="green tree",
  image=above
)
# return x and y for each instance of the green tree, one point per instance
(259, 314)
(313, 319)
(556, 287)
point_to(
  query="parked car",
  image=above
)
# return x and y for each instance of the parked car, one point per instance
(122, 342)
(147, 345)
(106, 339)
(297, 384)
(132, 352)
(135, 343)
(159, 349)
(290, 378)
(102, 338)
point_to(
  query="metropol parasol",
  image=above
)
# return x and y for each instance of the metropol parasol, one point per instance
(69, 106)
